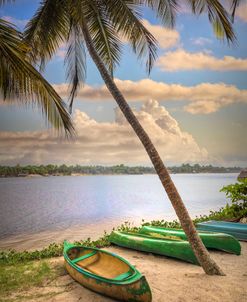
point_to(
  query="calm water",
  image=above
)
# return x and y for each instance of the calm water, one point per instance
(29, 205)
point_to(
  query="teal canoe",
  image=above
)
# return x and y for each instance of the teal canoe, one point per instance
(219, 241)
(106, 273)
(178, 248)
(238, 230)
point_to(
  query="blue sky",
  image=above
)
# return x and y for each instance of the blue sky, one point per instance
(213, 130)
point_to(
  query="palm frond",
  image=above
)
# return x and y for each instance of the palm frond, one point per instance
(19, 80)
(103, 33)
(165, 10)
(126, 19)
(76, 61)
(217, 15)
(47, 29)
(234, 5)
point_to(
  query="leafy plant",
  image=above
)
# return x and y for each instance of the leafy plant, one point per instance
(237, 209)
(236, 192)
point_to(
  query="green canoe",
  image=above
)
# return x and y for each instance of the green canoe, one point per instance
(168, 247)
(106, 273)
(219, 241)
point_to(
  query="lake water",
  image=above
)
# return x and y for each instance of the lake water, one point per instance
(32, 205)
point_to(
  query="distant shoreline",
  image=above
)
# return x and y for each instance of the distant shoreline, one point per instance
(108, 174)
(77, 170)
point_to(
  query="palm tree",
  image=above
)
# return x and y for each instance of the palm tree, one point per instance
(97, 25)
(20, 81)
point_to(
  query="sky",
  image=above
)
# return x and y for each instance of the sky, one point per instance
(193, 104)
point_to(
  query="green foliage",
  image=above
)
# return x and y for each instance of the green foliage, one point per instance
(196, 168)
(236, 192)
(12, 256)
(162, 223)
(228, 213)
(238, 208)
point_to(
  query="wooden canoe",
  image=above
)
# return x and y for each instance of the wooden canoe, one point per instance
(238, 230)
(178, 248)
(106, 273)
(219, 241)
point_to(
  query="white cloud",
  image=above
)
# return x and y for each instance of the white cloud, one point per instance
(203, 98)
(166, 37)
(182, 60)
(201, 41)
(242, 12)
(105, 143)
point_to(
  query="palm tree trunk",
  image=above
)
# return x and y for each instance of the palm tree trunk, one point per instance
(209, 266)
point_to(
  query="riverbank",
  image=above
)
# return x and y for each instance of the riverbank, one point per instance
(170, 280)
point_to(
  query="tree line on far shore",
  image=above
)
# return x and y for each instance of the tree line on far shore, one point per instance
(57, 170)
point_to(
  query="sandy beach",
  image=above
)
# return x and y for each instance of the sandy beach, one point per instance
(31, 241)
(170, 280)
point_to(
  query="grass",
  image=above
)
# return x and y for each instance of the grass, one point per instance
(17, 279)
(22, 276)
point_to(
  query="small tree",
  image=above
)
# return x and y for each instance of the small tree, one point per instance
(238, 194)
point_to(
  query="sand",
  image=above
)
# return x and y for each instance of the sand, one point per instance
(170, 280)
(31, 241)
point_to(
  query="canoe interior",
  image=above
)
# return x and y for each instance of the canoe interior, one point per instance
(155, 236)
(100, 263)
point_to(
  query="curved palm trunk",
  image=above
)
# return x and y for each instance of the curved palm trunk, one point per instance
(209, 266)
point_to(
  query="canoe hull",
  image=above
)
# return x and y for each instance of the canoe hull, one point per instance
(219, 241)
(106, 273)
(138, 291)
(238, 230)
(179, 249)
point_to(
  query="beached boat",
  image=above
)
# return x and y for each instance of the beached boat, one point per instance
(175, 248)
(219, 241)
(106, 273)
(238, 230)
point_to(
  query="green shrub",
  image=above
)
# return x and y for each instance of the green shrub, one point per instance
(237, 193)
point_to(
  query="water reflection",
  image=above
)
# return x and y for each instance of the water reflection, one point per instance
(48, 203)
